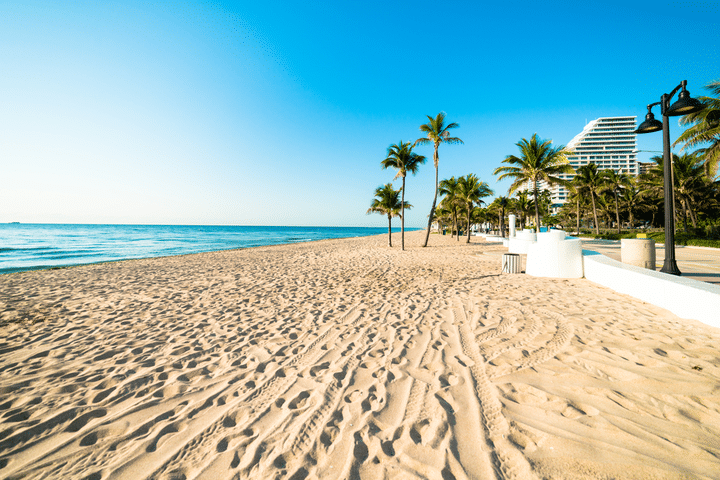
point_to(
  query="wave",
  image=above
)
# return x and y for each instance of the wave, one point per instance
(48, 246)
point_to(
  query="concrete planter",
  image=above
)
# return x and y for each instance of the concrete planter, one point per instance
(639, 252)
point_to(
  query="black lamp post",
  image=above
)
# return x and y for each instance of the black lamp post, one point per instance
(683, 106)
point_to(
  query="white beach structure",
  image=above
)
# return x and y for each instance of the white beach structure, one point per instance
(555, 255)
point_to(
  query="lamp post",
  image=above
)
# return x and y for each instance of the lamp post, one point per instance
(683, 106)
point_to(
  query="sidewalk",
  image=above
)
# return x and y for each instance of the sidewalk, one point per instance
(698, 263)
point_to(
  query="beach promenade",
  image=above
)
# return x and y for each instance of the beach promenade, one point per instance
(346, 359)
(698, 263)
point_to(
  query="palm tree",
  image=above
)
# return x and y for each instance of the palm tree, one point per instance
(590, 180)
(575, 191)
(523, 204)
(705, 129)
(499, 205)
(449, 188)
(544, 202)
(690, 184)
(616, 183)
(436, 132)
(387, 202)
(470, 191)
(631, 201)
(402, 157)
(538, 161)
(443, 216)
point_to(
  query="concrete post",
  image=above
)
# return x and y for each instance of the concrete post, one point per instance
(512, 225)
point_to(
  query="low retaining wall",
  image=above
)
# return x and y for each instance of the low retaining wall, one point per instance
(684, 297)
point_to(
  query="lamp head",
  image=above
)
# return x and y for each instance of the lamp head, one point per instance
(685, 105)
(650, 124)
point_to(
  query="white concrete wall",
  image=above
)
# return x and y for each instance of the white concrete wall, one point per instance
(684, 297)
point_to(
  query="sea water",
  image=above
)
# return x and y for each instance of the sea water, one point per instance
(41, 246)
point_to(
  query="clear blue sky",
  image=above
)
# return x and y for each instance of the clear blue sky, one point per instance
(279, 112)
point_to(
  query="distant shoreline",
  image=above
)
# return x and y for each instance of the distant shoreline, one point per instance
(30, 247)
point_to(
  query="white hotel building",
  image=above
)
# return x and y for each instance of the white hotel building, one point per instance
(609, 142)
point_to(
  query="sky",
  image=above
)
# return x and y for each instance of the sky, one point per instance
(280, 112)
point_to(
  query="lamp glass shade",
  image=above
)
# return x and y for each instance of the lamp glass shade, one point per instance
(649, 125)
(685, 105)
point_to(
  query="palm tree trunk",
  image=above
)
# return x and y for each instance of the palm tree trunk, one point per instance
(468, 223)
(457, 225)
(402, 217)
(577, 211)
(617, 213)
(390, 230)
(432, 210)
(537, 210)
(597, 225)
(693, 217)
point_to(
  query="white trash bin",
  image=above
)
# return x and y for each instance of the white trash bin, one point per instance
(511, 263)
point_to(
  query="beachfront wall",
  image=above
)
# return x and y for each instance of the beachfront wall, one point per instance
(684, 297)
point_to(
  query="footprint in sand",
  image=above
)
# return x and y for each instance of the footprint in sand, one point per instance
(353, 396)
(300, 401)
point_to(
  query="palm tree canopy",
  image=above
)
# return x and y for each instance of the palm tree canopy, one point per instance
(616, 182)
(704, 129)
(401, 157)
(538, 161)
(590, 179)
(436, 132)
(449, 188)
(472, 190)
(387, 201)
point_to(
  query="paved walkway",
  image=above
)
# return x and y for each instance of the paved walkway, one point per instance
(698, 263)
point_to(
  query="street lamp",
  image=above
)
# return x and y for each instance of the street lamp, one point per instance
(683, 106)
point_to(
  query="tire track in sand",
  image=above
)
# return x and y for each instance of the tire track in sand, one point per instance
(510, 464)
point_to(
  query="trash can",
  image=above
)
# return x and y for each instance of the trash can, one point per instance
(638, 251)
(511, 263)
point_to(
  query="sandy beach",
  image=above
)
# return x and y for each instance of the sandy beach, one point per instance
(346, 359)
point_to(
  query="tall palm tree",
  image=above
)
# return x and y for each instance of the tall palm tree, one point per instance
(616, 183)
(591, 181)
(401, 157)
(387, 202)
(436, 132)
(538, 161)
(449, 189)
(705, 129)
(471, 191)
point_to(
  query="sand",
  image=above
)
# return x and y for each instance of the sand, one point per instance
(348, 359)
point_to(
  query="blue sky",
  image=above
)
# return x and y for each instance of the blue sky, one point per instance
(279, 112)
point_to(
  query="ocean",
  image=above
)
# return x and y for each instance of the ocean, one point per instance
(41, 246)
